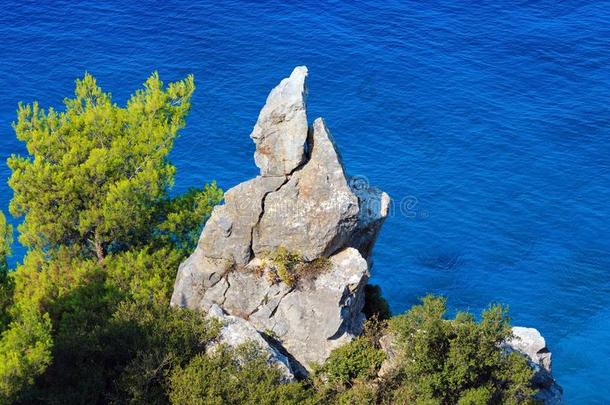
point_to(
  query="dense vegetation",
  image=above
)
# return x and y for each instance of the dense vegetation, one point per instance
(86, 318)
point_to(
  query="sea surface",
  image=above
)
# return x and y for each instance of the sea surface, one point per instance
(487, 122)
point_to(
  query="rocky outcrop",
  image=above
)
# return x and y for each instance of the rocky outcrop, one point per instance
(235, 331)
(530, 342)
(304, 203)
(299, 306)
(322, 314)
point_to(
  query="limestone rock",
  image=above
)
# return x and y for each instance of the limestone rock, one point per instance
(228, 232)
(197, 276)
(236, 331)
(225, 243)
(321, 314)
(374, 206)
(315, 213)
(530, 342)
(281, 129)
(310, 320)
(390, 363)
(303, 201)
(250, 292)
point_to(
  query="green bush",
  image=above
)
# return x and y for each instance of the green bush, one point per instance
(284, 263)
(358, 359)
(233, 376)
(438, 361)
(458, 360)
(25, 352)
(157, 339)
(289, 267)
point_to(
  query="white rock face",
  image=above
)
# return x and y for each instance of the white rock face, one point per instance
(304, 202)
(311, 319)
(321, 315)
(281, 130)
(315, 213)
(236, 331)
(374, 206)
(228, 233)
(530, 342)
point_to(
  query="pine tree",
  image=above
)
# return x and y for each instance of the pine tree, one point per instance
(95, 171)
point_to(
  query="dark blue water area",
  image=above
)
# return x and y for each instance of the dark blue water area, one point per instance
(488, 124)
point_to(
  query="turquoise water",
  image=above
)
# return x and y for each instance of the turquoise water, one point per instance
(488, 123)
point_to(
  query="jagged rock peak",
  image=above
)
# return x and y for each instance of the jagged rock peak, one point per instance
(304, 203)
(315, 212)
(280, 132)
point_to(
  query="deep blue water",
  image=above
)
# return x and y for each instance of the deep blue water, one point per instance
(490, 122)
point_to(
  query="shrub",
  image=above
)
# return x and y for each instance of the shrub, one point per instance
(315, 267)
(289, 267)
(360, 393)
(284, 263)
(25, 352)
(458, 360)
(358, 359)
(156, 339)
(233, 376)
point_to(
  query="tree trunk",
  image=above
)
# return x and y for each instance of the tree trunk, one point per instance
(99, 249)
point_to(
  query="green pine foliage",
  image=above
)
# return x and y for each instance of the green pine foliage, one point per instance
(186, 214)
(234, 376)
(6, 281)
(25, 352)
(6, 240)
(96, 171)
(86, 314)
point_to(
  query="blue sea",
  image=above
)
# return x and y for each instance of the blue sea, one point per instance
(487, 122)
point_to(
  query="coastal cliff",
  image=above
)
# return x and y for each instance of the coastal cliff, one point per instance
(284, 261)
